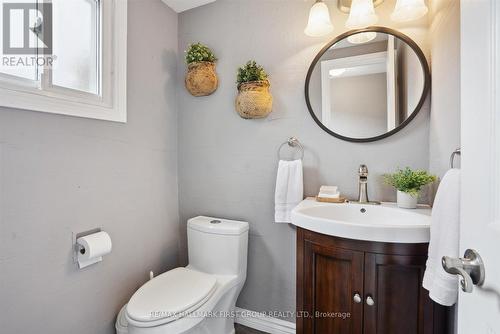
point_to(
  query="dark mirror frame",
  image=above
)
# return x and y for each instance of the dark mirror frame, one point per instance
(403, 37)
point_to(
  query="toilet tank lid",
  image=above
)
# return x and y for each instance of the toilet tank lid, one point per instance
(217, 225)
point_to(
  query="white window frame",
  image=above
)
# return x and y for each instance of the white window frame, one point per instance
(111, 105)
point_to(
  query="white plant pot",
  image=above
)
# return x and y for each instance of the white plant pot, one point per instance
(407, 201)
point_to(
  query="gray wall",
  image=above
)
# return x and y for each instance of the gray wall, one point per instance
(228, 164)
(61, 174)
(445, 118)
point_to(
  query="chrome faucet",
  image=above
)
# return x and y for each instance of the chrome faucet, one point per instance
(363, 184)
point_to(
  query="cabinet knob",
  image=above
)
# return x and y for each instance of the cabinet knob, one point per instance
(357, 298)
(370, 301)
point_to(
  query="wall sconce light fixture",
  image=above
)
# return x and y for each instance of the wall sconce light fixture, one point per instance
(319, 23)
(361, 38)
(361, 15)
(409, 10)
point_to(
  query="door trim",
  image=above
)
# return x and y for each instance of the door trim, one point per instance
(495, 115)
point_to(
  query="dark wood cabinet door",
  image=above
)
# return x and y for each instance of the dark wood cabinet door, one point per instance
(332, 276)
(331, 270)
(401, 305)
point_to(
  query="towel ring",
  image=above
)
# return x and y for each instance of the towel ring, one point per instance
(458, 152)
(292, 142)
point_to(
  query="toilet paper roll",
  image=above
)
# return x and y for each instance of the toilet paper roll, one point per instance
(92, 247)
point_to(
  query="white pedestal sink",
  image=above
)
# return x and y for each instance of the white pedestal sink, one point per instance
(383, 223)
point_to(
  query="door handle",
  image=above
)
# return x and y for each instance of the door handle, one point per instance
(370, 301)
(357, 298)
(470, 268)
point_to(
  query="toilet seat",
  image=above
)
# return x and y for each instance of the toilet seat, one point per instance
(171, 296)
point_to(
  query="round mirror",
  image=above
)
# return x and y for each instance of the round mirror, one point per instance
(367, 84)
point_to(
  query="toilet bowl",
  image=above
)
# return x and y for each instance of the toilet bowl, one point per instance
(199, 298)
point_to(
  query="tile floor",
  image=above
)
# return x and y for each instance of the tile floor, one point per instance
(245, 330)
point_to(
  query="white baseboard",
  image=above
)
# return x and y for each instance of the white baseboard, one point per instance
(262, 322)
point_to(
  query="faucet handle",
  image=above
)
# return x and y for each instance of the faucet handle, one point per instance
(363, 170)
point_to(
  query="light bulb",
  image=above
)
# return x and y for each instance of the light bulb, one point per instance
(361, 15)
(361, 38)
(319, 23)
(409, 10)
(336, 72)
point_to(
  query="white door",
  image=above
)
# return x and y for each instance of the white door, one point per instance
(479, 311)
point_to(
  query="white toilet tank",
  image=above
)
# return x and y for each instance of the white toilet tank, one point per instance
(218, 246)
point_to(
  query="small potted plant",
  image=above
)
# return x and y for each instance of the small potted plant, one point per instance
(254, 99)
(408, 184)
(201, 77)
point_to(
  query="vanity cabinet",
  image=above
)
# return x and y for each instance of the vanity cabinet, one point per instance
(360, 287)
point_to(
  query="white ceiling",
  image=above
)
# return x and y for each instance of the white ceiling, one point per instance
(183, 5)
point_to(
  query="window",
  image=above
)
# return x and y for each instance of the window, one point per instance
(64, 56)
(78, 58)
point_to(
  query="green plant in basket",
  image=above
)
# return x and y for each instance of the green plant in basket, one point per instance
(409, 181)
(198, 52)
(251, 71)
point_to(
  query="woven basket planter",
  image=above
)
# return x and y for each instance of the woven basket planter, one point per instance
(254, 100)
(201, 78)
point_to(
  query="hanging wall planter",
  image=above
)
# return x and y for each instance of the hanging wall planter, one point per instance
(254, 99)
(201, 78)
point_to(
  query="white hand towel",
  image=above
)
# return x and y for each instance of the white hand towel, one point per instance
(445, 231)
(289, 190)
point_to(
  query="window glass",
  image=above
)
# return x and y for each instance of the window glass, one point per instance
(76, 44)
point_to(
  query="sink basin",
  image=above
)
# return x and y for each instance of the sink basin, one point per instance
(383, 223)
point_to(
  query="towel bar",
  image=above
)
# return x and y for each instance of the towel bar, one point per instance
(292, 142)
(458, 151)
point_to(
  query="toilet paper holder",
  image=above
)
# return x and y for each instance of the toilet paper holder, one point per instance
(98, 243)
(91, 246)
(77, 247)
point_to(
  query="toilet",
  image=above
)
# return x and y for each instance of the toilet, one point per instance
(201, 297)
